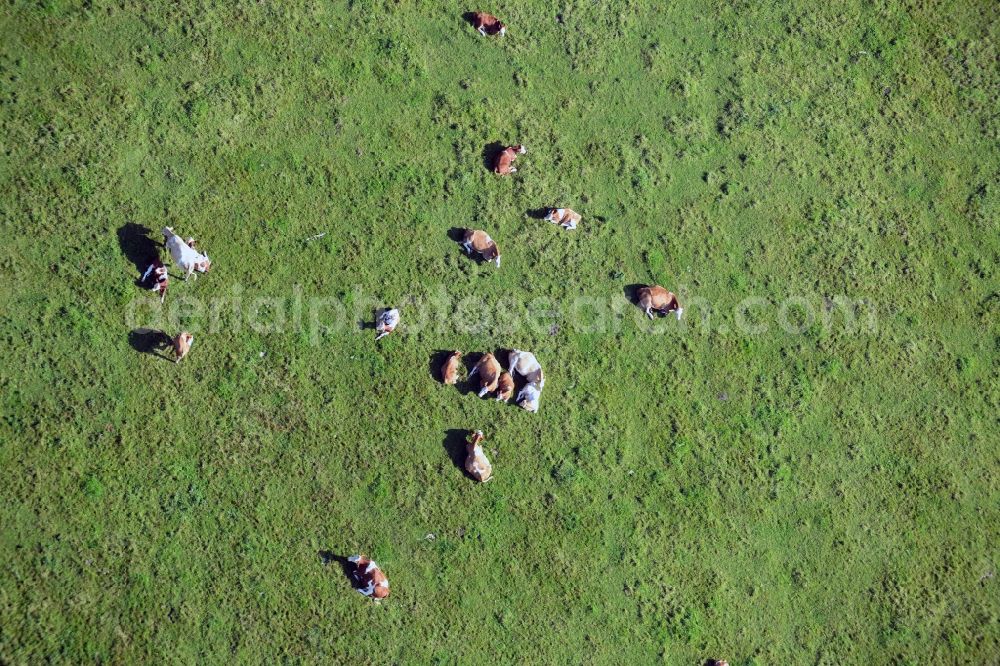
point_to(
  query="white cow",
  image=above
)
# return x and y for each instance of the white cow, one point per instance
(386, 323)
(529, 396)
(526, 365)
(184, 255)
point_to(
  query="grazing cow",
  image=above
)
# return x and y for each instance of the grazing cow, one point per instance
(182, 345)
(449, 371)
(476, 463)
(529, 396)
(505, 387)
(659, 299)
(475, 240)
(567, 218)
(488, 369)
(368, 579)
(505, 160)
(184, 255)
(487, 24)
(526, 365)
(386, 323)
(156, 278)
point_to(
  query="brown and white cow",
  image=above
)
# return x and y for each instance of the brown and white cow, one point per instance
(505, 159)
(488, 369)
(505, 387)
(368, 579)
(659, 299)
(487, 24)
(182, 345)
(567, 218)
(449, 371)
(156, 278)
(480, 242)
(476, 463)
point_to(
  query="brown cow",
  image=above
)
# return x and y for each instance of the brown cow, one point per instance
(505, 160)
(567, 218)
(449, 371)
(480, 241)
(368, 579)
(505, 387)
(476, 463)
(182, 345)
(488, 369)
(659, 299)
(487, 24)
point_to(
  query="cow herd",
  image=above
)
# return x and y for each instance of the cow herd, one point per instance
(487, 375)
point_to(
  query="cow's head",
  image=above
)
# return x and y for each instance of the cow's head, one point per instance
(492, 253)
(204, 266)
(527, 399)
(529, 405)
(520, 149)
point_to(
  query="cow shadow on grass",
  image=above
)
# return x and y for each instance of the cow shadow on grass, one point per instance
(151, 341)
(491, 152)
(537, 213)
(631, 292)
(454, 446)
(137, 246)
(470, 18)
(328, 557)
(372, 324)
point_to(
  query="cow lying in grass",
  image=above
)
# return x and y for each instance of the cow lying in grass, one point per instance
(476, 463)
(368, 579)
(504, 164)
(480, 242)
(487, 24)
(156, 278)
(386, 323)
(525, 364)
(659, 299)
(528, 397)
(488, 369)
(567, 218)
(505, 387)
(185, 256)
(449, 371)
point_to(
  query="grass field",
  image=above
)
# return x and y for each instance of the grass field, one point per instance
(803, 470)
